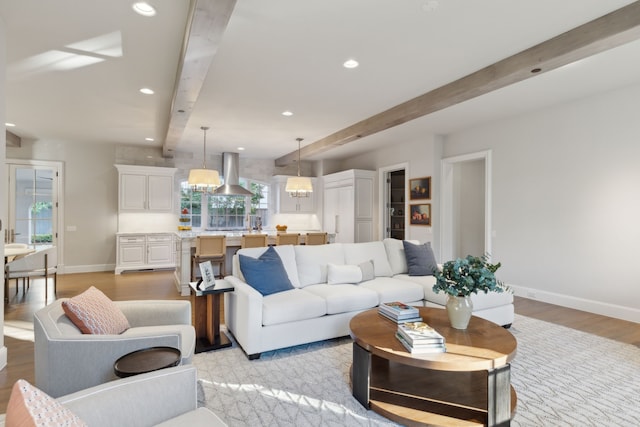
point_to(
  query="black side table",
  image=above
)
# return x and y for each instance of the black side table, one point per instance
(205, 316)
(146, 360)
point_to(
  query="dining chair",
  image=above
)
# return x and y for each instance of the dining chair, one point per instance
(287, 239)
(209, 248)
(253, 241)
(316, 239)
(42, 263)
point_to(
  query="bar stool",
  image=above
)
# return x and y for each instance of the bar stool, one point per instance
(253, 241)
(209, 248)
(316, 239)
(287, 239)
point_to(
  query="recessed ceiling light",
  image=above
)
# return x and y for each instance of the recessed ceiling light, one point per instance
(350, 63)
(287, 113)
(147, 91)
(10, 125)
(149, 139)
(144, 8)
(240, 148)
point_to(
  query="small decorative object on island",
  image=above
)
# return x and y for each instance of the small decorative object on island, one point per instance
(185, 220)
(461, 278)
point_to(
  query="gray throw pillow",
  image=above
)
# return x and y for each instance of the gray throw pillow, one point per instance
(368, 271)
(420, 259)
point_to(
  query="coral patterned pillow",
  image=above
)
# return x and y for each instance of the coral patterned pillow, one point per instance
(94, 313)
(29, 406)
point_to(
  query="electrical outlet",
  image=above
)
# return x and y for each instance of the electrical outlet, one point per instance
(531, 294)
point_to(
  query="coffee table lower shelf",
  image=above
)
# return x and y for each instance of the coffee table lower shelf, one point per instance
(412, 411)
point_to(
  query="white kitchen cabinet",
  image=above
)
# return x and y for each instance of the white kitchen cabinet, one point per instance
(348, 205)
(286, 204)
(145, 188)
(145, 251)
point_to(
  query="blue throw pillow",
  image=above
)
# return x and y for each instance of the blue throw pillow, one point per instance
(265, 274)
(420, 259)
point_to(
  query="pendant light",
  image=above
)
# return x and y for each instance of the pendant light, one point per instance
(299, 186)
(204, 180)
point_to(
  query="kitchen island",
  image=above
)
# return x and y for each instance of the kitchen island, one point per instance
(186, 247)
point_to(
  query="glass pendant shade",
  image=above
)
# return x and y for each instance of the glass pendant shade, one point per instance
(299, 186)
(204, 180)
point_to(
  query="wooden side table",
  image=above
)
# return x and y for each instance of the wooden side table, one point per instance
(205, 316)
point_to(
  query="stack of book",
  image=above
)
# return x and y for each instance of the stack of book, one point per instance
(420, 338)
(399, 312)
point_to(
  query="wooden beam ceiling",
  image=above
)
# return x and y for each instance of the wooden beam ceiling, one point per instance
(208, 22)
(13, 140)
(604, 33)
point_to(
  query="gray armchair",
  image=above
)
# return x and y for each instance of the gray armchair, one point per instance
(67, 360)
(166, 397)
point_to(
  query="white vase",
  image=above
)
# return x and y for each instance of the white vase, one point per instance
(459, 310)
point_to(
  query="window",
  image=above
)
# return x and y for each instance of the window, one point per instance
(225, 212)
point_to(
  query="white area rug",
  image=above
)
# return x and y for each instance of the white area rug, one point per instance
(563, 377)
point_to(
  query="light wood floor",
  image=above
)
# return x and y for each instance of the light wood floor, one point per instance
(160, 285)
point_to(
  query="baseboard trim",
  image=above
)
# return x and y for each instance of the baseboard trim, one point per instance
(597, 307)
(86, 268)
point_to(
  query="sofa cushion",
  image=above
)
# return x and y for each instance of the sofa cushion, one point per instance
(343, 274)
(266, 274)
(29, 406)
(312, 261)
(287, 256)
(94, 313)
(291, 306)
(344, 298)
(200, 417)
(420, 259)
(426, 282)
(355, 253)
(392, 289)
(395, 254)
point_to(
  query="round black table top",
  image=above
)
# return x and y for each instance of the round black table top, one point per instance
(146, 360)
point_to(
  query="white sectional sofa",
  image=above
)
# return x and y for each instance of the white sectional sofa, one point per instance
(315, 310)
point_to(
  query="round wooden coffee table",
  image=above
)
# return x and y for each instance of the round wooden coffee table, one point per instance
(146, 360)
(467, 385)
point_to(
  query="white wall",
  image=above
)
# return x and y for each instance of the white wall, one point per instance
(423, 157)
(566, 201)
(468, 208)
(3, 180)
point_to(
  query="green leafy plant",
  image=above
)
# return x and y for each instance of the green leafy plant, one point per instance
(465, 276)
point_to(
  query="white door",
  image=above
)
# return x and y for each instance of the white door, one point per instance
(33, 205)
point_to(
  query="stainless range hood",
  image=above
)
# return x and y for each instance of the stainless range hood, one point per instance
(231, 173)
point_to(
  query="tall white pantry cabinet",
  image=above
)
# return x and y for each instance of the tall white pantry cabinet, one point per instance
(145, 210)
(348, 205)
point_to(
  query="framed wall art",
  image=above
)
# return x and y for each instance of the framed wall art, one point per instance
(420, 214)
(420, 188)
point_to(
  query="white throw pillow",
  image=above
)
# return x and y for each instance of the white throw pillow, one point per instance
(356, 253)
(341, 274)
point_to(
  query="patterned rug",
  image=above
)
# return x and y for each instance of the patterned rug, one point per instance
(563, 377)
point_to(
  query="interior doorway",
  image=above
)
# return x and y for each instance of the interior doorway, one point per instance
(394, 212)
(466, 206)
